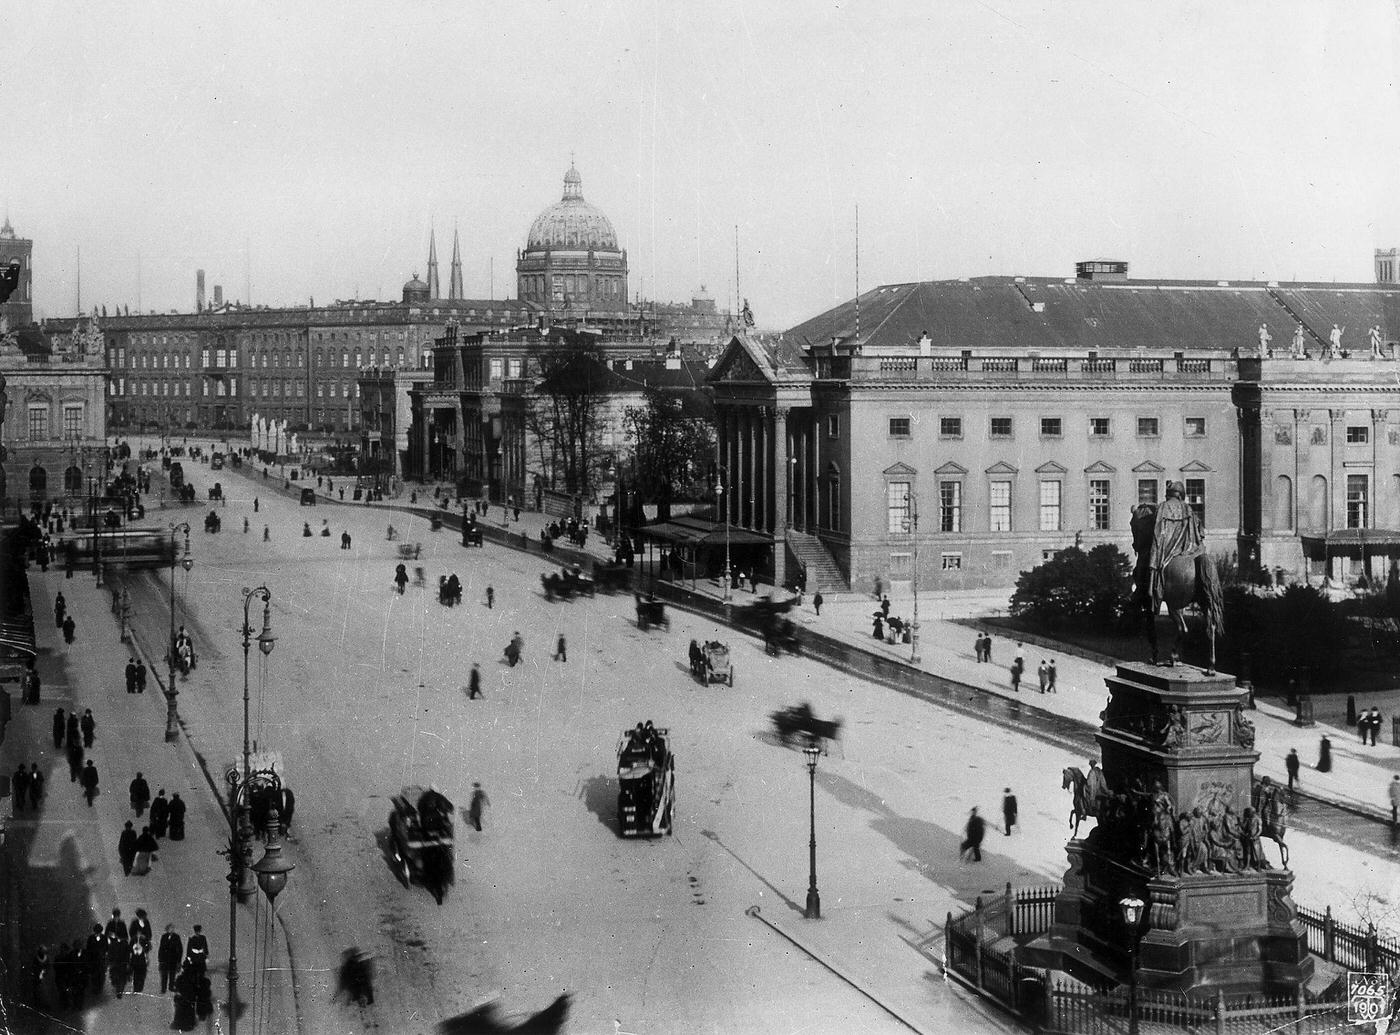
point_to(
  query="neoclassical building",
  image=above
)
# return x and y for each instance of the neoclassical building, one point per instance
(571, 260)
(965, 430)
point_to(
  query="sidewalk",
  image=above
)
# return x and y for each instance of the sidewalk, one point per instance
(62, 870)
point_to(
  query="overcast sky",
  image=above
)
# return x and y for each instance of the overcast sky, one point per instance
(307, 148)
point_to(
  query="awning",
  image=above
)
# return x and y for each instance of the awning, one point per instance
(1353, 537)
(18, 637)
(693, 531)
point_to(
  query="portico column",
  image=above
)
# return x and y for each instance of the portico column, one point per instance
(735, 448)
(760, 471)
(746, 498)
(1337, 501)
(814, 477)
(781, 488)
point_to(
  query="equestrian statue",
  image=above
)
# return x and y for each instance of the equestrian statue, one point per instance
(1174, 568)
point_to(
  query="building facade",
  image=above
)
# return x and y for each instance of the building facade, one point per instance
(571, 260)
(18, 311)
(966, 430)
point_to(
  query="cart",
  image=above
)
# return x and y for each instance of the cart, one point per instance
(420, 835)
(646, 779)
(716, 666)
(799, 722)
(652, 612)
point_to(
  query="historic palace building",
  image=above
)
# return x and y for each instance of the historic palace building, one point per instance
(571, 260)
(965, 430)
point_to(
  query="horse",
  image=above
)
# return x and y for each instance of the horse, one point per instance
(1081, 808)
(1187, 580)
(1273, 814)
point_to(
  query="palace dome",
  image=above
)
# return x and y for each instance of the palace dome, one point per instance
(414, 290)
(572, 223)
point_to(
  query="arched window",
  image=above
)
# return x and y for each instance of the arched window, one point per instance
(1283, 503)
(357, 357)
(400, 355)
(1317, 504)
(344, 357)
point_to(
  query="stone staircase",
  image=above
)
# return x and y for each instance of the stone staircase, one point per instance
(822, 569)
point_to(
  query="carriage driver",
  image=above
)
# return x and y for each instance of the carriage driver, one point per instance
(1176, 533)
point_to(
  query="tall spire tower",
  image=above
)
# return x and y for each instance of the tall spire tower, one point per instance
(434, 289)
(454, 287)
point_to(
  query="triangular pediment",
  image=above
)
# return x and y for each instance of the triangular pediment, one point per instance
(737, 365)
(951, 468)
(1002, 467)
(1149, 467)
(1099, 467)
(1196, 467)
(1050, 467)
(899, 470)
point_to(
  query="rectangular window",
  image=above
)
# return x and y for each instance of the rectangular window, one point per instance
(1000, 503)
(899, 427)
(1147, 490)
(1050, 506)
(204, 357)
(1358, 433)
(1357, 500)
(951, 561)
(220, 388)
(301, 390)
(1051, 427)
(514, 367)
(1196, 498)
(897, 507)
(1147, 427)
(950, 427)
(1195, 427)
(950, 506)
(221, 357)
(1001, 560)
(833, 426)
(1098, 427)
(497, 369)
(1100, 509)
(38, 423)
(1001, 427)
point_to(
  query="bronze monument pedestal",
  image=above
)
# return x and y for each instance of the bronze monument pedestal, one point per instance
(1217, 919)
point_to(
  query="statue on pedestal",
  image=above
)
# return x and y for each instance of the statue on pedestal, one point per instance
(1174, 568)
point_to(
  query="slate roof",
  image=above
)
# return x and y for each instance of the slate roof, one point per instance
(1001, 312)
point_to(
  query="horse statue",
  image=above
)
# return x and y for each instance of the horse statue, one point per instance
(1082, 803)
(1273, 814)
(1177, 572)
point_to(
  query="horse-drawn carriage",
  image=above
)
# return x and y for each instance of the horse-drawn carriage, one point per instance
(566, 583)
(612, 578)
(212, 522)
(651, 611)
(410, 551)
(710, 662)
(185, 659)
(646, 779)
(779, 635)
(420, 835)
(216, 491)
(471, 535)
(799, 721)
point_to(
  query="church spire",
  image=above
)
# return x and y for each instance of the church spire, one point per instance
(454, 287)
(434, 291)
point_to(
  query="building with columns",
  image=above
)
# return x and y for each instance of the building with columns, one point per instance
(966, 430)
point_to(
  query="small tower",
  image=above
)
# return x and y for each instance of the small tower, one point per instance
(434, 291)
(454, 287)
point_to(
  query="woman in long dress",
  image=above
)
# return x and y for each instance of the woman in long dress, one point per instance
(146, 846)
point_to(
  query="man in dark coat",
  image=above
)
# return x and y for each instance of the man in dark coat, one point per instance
(126, 847)
(972, 843)
(140, 794)
(168, 957)
(70, 629)
(119, 963)
(474, 683)
(89, 781)
(60, 723)
(177, 818)
(1009, 810)
(95, 959)
(160, 813)
(71, 732)
(1291, 763)
(131, 676)
(140, 960)
(36, 785)
(89, 727)
(75, 760)
(19, 788)
(60, 610)
(140, 677)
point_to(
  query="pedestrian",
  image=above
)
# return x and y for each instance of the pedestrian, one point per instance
(140, 929)
(257, 505)
(474, 683)
(560, 650)
(119, 963)
(987, 647)
(342, 495)
(1394, 791)
(131, 676)
(160, 813)
(72, 733)
(1363, 723)
(36, 785)
(140, 960)
(1324, 756)
(89, 782)
(287, 807)
(95, 959)
(267, 534)
(1376, 722)
(75, 760)
(140, 794)
(197, 951)
(29, 684)
(89, 727)
(140, 677)
(1043, 672)
(69, 629)
(177, 818)
(146, 848)
(977, 648)
(345, 540)
(60, 723)
(400, 578)
(1053, 677)
(245, 526)
(168, 956)
(817, 602)
(885, 607)
(972, 843)
(1016, 668)
(186, 989)
(478, 802)
(490, 597)
(1291, 764)
(60, 608)
(1008, 810)
(19, 788)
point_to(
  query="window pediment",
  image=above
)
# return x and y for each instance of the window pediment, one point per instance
(899, 470)
(1196, 467)
(1099, 467)
(1002, 467)
(1149, 467)
(951, 468)
(1050, 467)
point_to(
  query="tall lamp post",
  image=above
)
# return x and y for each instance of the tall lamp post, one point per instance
(1132, 908)
(911, 525)
(719, 501)
(172, 719)
(814, 898)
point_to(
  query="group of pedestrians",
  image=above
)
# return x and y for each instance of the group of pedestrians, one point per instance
(976, 829)
(27, 785)
(135, 676)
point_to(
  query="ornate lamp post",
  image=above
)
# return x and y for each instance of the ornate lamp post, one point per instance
(911, 525)
(1132, 908)
(814, 898)
(172, 719)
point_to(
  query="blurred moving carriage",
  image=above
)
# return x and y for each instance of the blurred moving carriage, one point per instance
(799, 722)
(779, 635)
(216, 491)
(769, 619)
(646, 781)
(651, 612)
(410, 551)
(420, 834)
(612, 578)
(710, 662)
(566, 584)
(212, 522)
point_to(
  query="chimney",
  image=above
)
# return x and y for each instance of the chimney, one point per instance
(218, 296)
(199, 291)
(1101, 269)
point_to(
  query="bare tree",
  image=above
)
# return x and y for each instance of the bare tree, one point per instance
(573, 385)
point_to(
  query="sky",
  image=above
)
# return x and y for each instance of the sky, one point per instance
(300, 151)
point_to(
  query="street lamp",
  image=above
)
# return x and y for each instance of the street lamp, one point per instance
(814, 899)
(719, 502)
(911, 525)
(241, 873)
(1132, 908)
(172, 720)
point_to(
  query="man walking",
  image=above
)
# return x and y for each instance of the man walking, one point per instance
(1291, 763)
(36, 785)
(126, 847)
(490, 598)
(1376, 723)
(89, 727)
(1053, 676)
(972, 843)
(140, 677)
(140, 794)
(19, 788)
(1395, 799)
(131, 676)
(1008, 810)
(89, 782)
(478, 802)
(474, 683)
(60, 723)
(168, 957)
(560, 650)
(1043, 672)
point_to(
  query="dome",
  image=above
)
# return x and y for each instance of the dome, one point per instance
(414, 290)
(571, 222)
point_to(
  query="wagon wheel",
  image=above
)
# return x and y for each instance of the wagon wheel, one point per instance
(731, 675)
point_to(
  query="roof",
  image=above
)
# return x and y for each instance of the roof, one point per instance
(1049, 313)
(1341, 537)
(694, 531)
(767, 357)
